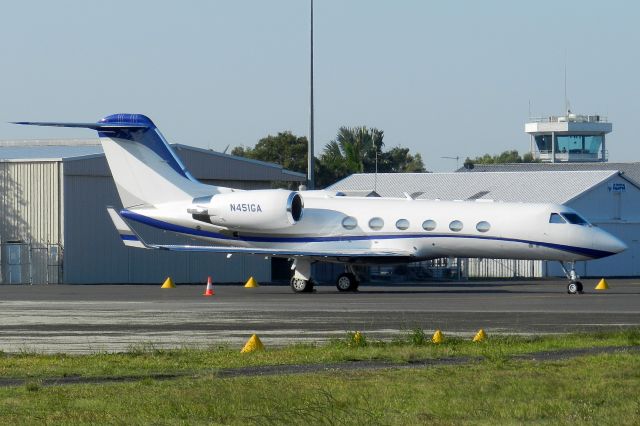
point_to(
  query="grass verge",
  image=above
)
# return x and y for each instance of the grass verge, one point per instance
(600, 389)
(415, 345)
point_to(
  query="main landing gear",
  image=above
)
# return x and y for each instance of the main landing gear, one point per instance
(574, 286)
(348, 281)
(301, 282)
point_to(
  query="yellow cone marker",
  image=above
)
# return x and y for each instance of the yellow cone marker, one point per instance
(168, 283)
(251, 283)
(438, 337)
(480, 336)
(602, 285)
(253, 344)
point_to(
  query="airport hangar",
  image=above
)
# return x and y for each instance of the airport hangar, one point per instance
(605, 195)
(54, 227)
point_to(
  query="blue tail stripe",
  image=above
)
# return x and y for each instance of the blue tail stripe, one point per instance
(119, 126)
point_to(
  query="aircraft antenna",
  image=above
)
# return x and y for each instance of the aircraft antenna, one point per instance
(457, 158)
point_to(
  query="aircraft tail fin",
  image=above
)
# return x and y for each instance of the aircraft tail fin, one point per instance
(145, 168)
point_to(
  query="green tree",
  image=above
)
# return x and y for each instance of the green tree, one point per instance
(354, 150)
(357, 150)
(285, 149)
(509, 156)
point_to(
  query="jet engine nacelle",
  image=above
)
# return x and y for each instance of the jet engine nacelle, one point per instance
(254, 210)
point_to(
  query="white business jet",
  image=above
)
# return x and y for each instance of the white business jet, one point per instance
(157, 190)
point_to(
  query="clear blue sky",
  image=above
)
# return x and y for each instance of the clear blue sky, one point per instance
(442, 78)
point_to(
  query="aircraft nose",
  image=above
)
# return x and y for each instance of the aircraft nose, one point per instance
(609, 243)
(618, 245)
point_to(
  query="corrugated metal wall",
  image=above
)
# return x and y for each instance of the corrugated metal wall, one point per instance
(29, 202)
(503, 268)
(30, 222)
(95, 254)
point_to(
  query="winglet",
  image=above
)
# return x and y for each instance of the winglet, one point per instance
(128, 235)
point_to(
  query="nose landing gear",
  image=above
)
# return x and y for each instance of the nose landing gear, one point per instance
(574, 286)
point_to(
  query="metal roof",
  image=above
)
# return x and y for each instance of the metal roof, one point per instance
(48, 153)
(631, 171)
(206, 164)
(544, 187)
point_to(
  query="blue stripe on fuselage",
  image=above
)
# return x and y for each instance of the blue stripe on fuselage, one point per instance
(595, 254)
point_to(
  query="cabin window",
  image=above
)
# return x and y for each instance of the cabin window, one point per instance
(483, 226)
(455, 226)
(575, 219)
(556, 218)
(429, 225)
(402, 224)
(349, 222)
(376, 223)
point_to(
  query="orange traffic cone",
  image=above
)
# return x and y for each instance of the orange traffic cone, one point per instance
(209, 291)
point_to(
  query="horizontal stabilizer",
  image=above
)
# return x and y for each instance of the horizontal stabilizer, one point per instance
(93, 126)
(111, 122)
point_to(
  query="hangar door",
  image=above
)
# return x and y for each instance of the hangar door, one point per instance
(23, 263)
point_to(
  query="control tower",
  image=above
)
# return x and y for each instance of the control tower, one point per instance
(569, 138)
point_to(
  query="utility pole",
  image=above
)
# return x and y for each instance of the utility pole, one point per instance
(310, 158)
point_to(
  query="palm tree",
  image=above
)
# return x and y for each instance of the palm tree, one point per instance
(354, 147)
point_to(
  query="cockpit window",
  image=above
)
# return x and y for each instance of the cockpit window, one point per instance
(556, 218)
(575, 219)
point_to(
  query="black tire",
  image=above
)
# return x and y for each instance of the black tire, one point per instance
(299, 285)
(572, 288)
(347, 282)
(579, 284)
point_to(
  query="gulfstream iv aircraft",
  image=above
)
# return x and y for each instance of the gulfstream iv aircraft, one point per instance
(157, 190)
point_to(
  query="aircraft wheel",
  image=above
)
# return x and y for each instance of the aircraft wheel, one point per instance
(347, 282)
(299, 285)
(579, 284)
(572, 288)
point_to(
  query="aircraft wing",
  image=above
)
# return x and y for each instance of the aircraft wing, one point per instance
(131, 239)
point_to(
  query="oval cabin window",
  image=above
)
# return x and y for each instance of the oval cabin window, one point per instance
(455, 226)
(483, 226)
(402, 224)
(349, 222)
(429, 225)
(376, 223)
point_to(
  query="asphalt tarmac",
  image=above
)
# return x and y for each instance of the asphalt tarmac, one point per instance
(111, 318)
